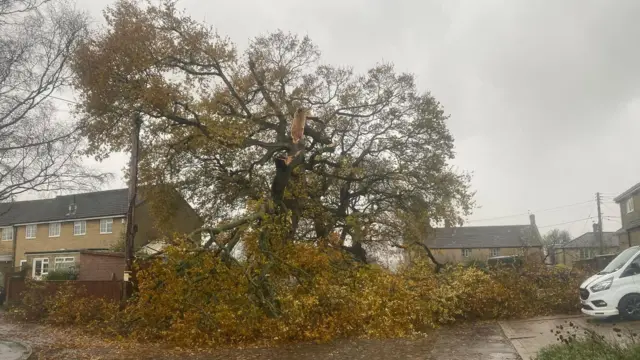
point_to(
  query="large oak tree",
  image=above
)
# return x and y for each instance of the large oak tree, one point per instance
(373, 167)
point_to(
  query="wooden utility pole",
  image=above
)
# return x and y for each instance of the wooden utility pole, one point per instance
(133, 192)
(600, 239)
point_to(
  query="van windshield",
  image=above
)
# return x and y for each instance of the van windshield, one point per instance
(617, 263)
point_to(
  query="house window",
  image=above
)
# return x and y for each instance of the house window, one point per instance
(630, 205)
(31, 231)
(79, 228)
(54, 229)
(7, 234)
(22, 264)
(106, 226)
(466, 252)
(40, 267)
(586, 253)
(495, 252)
(64, 263)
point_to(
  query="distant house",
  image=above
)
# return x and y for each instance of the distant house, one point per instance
(629, 233)
(587, 246)
(467, 243)
(52, 233)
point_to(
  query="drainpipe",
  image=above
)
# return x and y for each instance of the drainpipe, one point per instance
(14, 242)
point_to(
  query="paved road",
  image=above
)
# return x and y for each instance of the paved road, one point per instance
(529, 336)
(470, 341)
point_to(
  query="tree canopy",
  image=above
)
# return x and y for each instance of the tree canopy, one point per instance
(373, 165)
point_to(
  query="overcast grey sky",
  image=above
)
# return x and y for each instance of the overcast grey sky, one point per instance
(543, 94)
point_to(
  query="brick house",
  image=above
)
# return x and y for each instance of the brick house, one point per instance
(479, 243)
(587, 246)
(629, 233)
(53, 233)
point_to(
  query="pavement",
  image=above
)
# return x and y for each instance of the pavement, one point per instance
(479, 341)
(531, 335)
(11, 350)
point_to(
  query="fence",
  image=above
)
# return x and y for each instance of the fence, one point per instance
(109, 290)
(594, 264)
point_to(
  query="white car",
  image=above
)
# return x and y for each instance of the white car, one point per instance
(616, 289)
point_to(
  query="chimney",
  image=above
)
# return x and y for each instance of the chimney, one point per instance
(532, 219)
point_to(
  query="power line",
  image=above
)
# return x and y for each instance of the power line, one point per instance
(564, 223)
(607, 207)
(587, 220)
(609, 196)
(62, 99)
(52, 96)
(532, 212)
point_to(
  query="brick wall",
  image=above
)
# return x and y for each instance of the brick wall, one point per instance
(100, 266)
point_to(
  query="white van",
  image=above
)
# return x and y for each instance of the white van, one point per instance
(616, 289)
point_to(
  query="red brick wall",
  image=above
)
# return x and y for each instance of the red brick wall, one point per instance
(100, 266)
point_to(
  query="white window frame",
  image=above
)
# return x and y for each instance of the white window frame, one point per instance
(630, 204)
(59, 225)
(106, 222)
(466, 253)
(63, 260)
(34, 227)
(22, 264)
(83, 228)
(586, 253)
(42, 273)
(7, 232)
(495, 251)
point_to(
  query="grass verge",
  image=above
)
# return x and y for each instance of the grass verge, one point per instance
(592, 347)
(588, 350)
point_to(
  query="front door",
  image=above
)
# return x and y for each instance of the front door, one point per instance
(40, 268)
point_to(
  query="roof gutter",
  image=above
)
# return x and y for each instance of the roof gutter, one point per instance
(63, 251)
(15, 243)
(625, 194)
(117, 216)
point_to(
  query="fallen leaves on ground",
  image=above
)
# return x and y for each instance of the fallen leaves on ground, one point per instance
(53, 343)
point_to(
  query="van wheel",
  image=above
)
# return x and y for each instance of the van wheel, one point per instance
(629, 307)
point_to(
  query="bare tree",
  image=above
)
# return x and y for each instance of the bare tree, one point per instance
(553, 240)
(37, 151)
